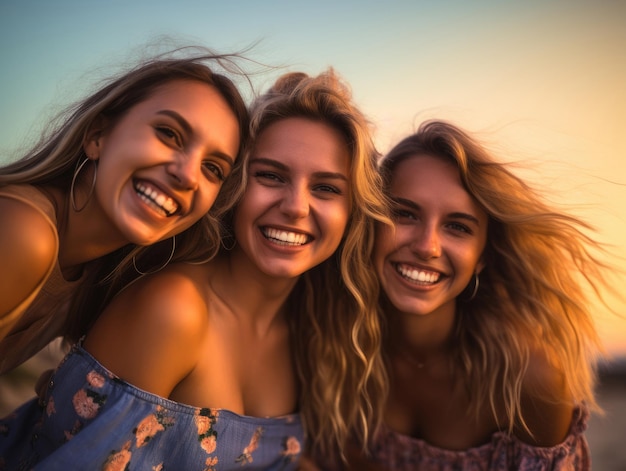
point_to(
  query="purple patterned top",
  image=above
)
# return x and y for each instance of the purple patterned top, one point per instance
(399, 452)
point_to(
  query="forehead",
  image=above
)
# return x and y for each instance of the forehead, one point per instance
(432, 181)
(184, 92)
(420, 170)
(303, 142)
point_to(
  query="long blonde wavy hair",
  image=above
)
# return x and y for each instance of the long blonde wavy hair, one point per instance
(333, 307)
(53, 160)
(532, 294)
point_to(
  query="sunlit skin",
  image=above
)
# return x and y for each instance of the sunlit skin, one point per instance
(159, 168)
(297, 202)
(439, 236)
(216, 334)
(424, 265)
(440, 232)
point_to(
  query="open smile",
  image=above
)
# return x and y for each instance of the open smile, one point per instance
(283, 237)
(156, 199)
(417, 275)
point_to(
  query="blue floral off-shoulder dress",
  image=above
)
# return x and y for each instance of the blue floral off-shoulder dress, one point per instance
(92, 420)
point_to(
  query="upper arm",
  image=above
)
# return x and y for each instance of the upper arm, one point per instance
(151, 333)
(547, 406)
(28, 251)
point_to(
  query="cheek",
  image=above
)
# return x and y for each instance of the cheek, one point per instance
(390, 238)
(336, 221)
(467, 260)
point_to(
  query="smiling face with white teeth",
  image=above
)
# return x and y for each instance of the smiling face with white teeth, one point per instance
(161, 166)
(439, 237)
(297, 203)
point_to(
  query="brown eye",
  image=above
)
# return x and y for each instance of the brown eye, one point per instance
(169, 135)
(328, 189)
(215, 169)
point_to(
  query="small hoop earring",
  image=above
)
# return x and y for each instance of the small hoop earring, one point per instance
(231, 246)
(162, 266)
(475, 290)
(93, 184)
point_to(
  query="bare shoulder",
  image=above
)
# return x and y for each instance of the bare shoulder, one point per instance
(151, 333)
(547, 405)
(28, 250)
(172, 299)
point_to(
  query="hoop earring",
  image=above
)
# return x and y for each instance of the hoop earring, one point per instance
(162, 266)
(93, 184)
(231, 246)
(475, 290)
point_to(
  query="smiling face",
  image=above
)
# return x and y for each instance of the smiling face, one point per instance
(296, 206)
(439, 237)
(160, 167)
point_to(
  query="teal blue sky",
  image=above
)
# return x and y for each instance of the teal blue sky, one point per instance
(539, 81)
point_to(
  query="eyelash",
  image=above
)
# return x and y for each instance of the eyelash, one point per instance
(329, 189)
(215, 169)
(268, 175)
(276, 178)
(403, 213)
(455, 226)
(460, 227)
(169, 134)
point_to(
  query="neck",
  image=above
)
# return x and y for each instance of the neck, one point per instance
(83, 236)
(251, 295)
(419, 338)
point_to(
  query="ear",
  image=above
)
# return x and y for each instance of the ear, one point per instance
(94, 139)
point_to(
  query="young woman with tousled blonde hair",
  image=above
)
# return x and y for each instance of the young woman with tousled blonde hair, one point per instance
(490, 344)
(333, 306)
(137, 162)
(236, 360)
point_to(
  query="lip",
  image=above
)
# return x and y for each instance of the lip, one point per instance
(155, 196)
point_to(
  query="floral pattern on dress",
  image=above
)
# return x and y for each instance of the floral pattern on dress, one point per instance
(87, 403)
(404, 453)
(151, 425)
(118, 461)
(246, 455)
(91, 419)
(205, 419)
(292, 448)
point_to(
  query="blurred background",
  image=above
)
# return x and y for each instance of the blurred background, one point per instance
(542, 83)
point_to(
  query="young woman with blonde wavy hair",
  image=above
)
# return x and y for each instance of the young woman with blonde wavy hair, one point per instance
(490, 344)
(235, 361)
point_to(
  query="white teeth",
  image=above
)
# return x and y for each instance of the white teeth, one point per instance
(420, 276)
(156, 199)
(285, 237)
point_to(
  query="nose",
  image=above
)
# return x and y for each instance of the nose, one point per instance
(295, 202)
(426, 243)
(186, 170)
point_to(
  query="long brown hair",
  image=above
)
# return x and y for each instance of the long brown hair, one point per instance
(54, 159)
(532, 290)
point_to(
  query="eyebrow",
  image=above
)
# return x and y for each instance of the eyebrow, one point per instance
(178, 118)
(455, 215)
(183, 123)
(285, 168)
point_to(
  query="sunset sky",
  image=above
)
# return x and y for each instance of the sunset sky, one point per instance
(542, 82)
